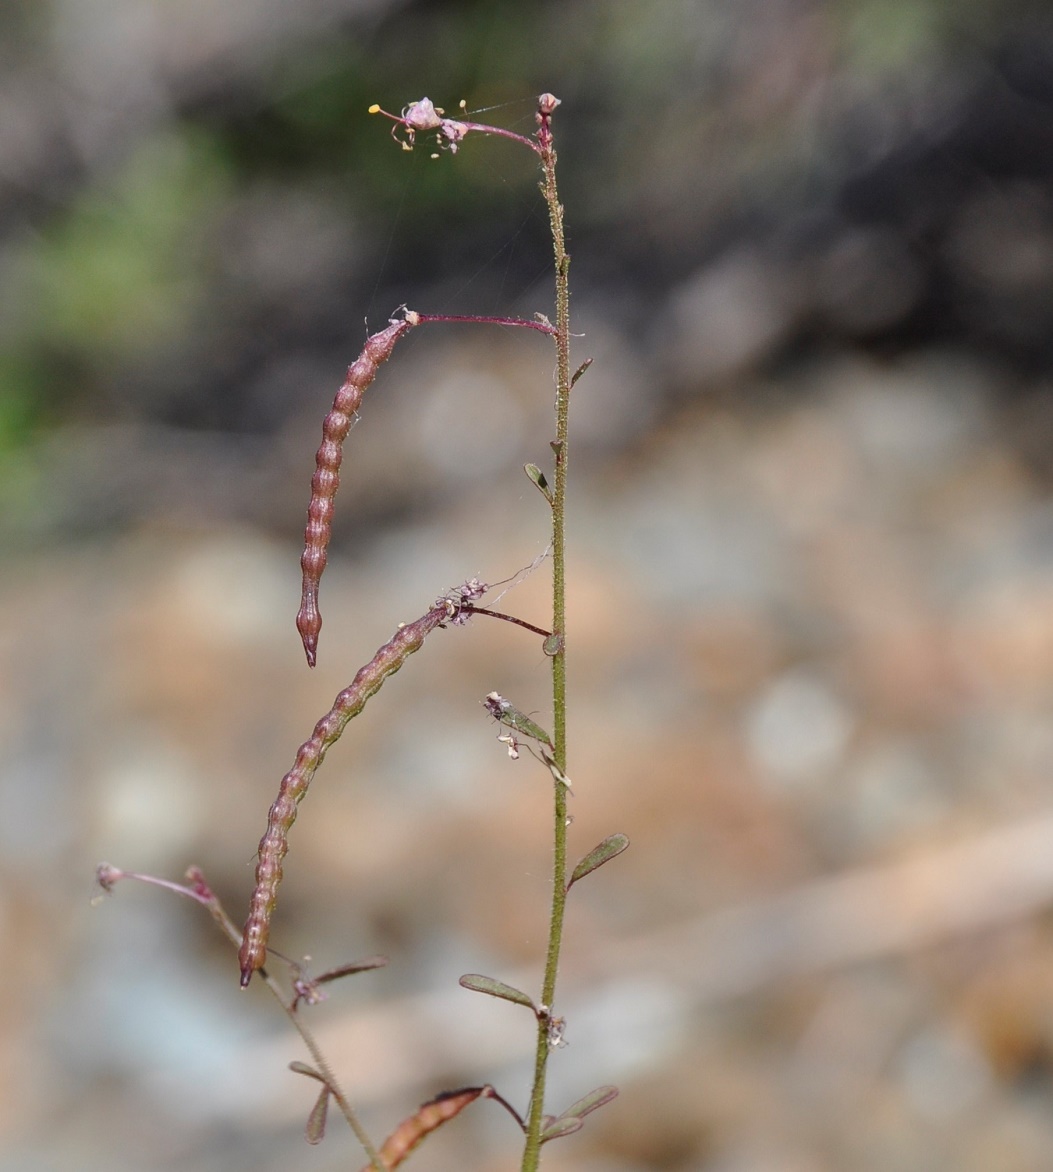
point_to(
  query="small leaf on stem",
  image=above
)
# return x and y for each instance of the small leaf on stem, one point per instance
(590, 1102)
(538, 477)
(308, 988)
(612, 846)
(553, 645)
(561, 1127)
(349, 970)
(573, 1118)
(580, 371)
(315, 1130)
(506, 712)
(494, 988)
(302, 1068)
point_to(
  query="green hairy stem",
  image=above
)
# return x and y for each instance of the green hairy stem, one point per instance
(558, 641)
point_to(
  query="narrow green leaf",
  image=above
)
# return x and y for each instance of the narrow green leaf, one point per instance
(538, 478)
(564, 1125)
(506, 712)
(315, 1130)
(492, 988)
(573, 1119)
(590, 1102)
(610, 848)
(303, 1068)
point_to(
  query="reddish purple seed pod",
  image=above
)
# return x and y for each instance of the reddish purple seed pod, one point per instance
(326, 479)
(275, 842)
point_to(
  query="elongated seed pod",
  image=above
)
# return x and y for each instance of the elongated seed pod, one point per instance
(275, 842)
(432, 1115)
(326, 479)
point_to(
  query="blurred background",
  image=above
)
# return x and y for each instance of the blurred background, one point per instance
(811, 622)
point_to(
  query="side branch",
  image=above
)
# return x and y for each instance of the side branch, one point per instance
(275, 842)
(509, 618)
(536, 323)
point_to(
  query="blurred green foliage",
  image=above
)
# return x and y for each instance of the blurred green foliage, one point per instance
(121, 272)
(676, 112)
(17, 402)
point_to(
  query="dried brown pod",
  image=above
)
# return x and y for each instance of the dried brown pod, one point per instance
(433, 1114)
(326, 479)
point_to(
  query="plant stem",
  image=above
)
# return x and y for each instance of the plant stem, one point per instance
(199, 891)
(532, 1148)
(317, 1057)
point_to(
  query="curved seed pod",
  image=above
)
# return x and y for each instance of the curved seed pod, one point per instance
(433, 1114)
(326, 479)
(275, 842)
